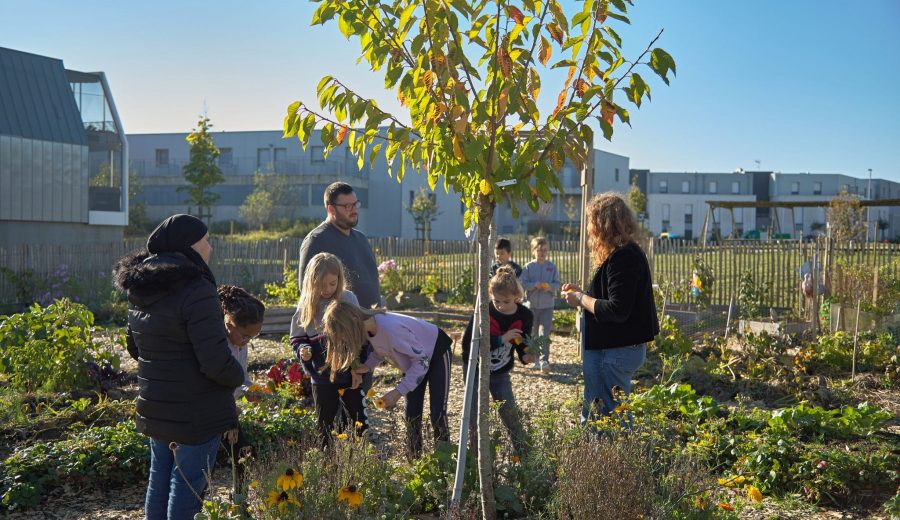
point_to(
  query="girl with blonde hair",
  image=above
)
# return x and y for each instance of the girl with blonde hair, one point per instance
(510, 323)
(619, 312)
(418, 348)
(324, 281)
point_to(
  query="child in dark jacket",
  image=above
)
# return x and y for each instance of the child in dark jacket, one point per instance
(324, 281)
(511, 322)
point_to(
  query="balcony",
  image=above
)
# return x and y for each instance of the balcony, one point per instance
(248, 166)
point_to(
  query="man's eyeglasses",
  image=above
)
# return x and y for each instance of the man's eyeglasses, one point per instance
(350, 205)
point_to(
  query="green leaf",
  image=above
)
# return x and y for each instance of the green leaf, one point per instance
(613, 34)
(661, 62)
(294, 107)
(407, 14)
(619, 17)
(623, 115)
(563, 63)
(607, 128)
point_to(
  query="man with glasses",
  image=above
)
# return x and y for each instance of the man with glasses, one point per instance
(337, 236)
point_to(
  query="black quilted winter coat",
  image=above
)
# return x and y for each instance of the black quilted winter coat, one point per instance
(176, 332)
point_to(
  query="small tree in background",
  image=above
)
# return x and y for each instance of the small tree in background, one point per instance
(259, 207)
(468, 75)
(847, 217)
(636, 199)
(202, 171)
(424, 211)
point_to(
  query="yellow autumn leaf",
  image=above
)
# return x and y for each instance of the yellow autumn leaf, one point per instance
(485, 187)
(457, 150)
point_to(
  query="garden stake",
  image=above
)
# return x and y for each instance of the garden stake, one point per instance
(728, 319)
(855, 342)
(467, 407)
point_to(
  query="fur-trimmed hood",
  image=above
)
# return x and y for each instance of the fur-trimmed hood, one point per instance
(146, 277)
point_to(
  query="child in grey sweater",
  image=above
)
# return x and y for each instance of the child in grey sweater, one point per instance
(540, 279)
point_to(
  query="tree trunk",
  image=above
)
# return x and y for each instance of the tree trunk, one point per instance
(485, 457)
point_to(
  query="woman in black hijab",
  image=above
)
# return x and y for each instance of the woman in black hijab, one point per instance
(186, 373)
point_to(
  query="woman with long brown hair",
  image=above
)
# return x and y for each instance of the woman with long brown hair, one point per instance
(619, 312)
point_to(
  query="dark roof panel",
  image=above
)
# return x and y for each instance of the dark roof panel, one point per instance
(36, 100)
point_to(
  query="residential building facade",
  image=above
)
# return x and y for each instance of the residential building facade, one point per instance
(63, 154)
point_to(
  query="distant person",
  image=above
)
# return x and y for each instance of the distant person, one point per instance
(502, 254)
(540, 278)
(176, 332)
(620, 315)
(337, 235)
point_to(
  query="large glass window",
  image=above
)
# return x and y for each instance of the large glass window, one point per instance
(735, 187)
(685, 186)
(106, 164)
(713, 187)
(795, 188)
(664, 186)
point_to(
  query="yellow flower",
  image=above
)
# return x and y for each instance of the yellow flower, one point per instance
(358, 424)
(370, 393)
(289, 480)
(754, 493)
(624, 407)
(341, 392)
(283, 500)
(254, 484)
(733, 481)
(341, 436)
(726, 506)
(379, 404)
(351, 495)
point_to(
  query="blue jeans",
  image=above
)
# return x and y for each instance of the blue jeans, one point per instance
(168, 495)
(608, 372)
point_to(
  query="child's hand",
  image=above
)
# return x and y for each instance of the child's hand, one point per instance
(355, 380)
(361, 369)
(528, 359)
(573, 298)
(305, 353)
(390, 399)
(512, 335)
(543, 286)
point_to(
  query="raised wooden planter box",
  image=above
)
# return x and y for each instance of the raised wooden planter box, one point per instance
(278, 319)
(773, 328)
(844, 318)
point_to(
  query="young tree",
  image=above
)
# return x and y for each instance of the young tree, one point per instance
(202, 171)
(424, 211)
(470, 74)
(259, 206)
(637, 201)
(846, 217)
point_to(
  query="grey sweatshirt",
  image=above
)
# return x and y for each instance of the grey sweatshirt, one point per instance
(356, 254)
(534, 274)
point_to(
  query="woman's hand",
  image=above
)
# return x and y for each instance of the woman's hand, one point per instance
(569, 287)
(390, 399)
(305, 353)
(355, 380)
(573, 298)
(512, 335)
(361, 369)
(231, 436)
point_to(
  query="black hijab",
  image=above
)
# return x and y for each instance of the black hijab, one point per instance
(177, 234)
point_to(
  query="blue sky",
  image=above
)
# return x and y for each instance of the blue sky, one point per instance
(800, 85)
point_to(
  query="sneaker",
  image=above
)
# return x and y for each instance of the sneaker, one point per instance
(545, 367)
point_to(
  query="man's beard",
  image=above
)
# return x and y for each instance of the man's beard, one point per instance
(346, 223)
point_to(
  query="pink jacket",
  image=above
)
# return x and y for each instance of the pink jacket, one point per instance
(407, 343)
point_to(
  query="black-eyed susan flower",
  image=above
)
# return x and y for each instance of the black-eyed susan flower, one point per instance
(732, 481)
(726, 506)
(254, 484)
(351, 495)
(358, 424)
(290, 479)
(282, 500)
(341, 436)
(341, 391)
(370, 393)
(379, 403)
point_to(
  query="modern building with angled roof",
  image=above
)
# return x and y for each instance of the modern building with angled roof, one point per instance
(63, 154)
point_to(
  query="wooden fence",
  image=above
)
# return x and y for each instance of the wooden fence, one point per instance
(251, 264)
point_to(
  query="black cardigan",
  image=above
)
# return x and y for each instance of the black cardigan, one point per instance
(624, 313)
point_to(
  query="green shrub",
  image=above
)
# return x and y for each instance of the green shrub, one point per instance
(267, 424)
(833, 353)
(462, 291)
(287, 293)
(48, 347)
(91, 457)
